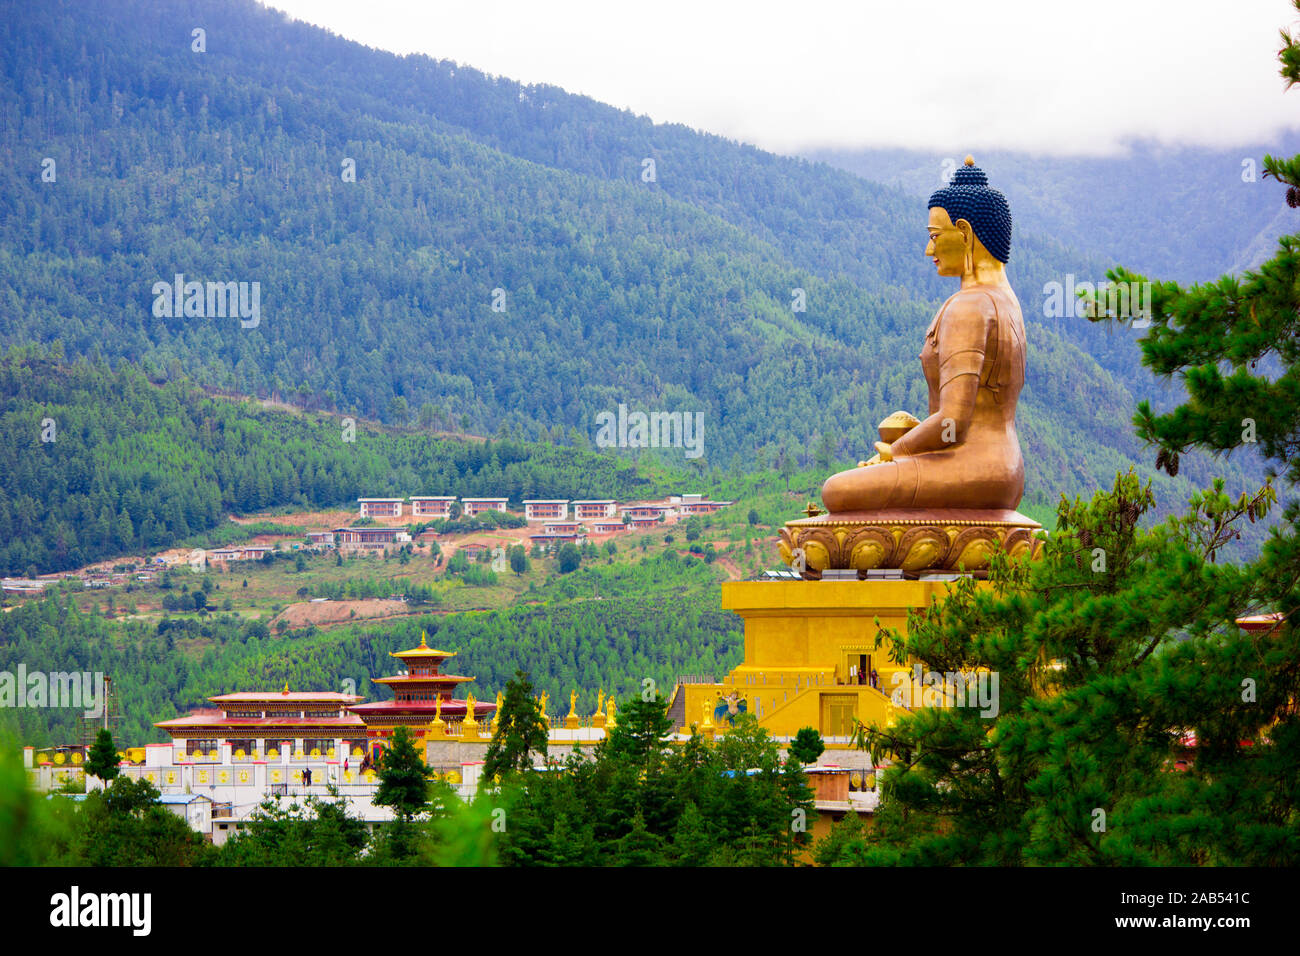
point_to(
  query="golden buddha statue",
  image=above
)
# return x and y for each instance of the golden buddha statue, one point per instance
(940, 492)
(966, 453)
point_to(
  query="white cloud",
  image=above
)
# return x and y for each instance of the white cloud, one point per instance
(1070, 78)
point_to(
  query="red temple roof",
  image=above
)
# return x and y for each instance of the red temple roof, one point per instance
(286, 696)
(348, 721)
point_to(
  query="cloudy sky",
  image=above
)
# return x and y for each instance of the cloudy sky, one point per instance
(1040, 76)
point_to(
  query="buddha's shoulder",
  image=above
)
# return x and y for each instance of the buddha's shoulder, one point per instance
(982, 302)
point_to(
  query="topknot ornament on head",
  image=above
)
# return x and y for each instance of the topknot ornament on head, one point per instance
(968, 196)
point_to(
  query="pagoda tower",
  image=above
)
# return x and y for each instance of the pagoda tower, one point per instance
(419, 693)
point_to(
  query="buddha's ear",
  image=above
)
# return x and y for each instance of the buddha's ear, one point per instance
(967, 231)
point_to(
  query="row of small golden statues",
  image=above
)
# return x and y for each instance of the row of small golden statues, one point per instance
(724, 710)
(940, 492)
(604, 716)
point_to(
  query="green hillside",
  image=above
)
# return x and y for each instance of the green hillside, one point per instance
(126, 466)
(377, 295)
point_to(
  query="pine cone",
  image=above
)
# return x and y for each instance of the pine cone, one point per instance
(1172, 465)
(1292, 197)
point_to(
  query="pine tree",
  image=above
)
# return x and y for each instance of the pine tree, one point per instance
(692, 842)
(640, 847)
(521, 731)
(807, 745)
(403, 777)
(102, 760)
(641, 733)
(1110, 651)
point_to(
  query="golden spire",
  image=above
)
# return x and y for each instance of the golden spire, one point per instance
(286, 688)
(423, 639)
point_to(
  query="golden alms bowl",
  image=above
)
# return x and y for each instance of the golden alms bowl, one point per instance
(896, 426)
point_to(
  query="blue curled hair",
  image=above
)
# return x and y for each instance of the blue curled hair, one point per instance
(968, 196)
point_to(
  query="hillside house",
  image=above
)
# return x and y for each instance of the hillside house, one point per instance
(432, 506)
(546, 509)
(370, 538)
(473, 507)
(592, 509)
(380, 507)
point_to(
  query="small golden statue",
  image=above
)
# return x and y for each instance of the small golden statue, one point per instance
(469, 726)
(609, 711)
(438, 728)
(573, 703)
(600, 701)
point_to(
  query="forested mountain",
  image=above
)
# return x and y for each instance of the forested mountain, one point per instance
(127, 158)
(97, 463)
(1185, 213)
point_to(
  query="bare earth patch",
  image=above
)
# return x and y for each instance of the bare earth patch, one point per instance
(325, 613)
(315, 520)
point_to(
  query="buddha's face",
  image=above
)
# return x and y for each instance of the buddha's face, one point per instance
(948, 242)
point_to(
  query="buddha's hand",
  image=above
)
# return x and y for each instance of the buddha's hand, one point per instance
(883, 454)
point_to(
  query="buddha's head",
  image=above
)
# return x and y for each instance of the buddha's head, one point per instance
(968, 220)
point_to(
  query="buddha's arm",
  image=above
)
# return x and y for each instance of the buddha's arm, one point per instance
(962, 340)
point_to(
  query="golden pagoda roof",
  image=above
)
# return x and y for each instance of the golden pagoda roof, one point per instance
(424, 650)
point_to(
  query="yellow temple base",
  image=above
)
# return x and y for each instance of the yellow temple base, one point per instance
(806, 645)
